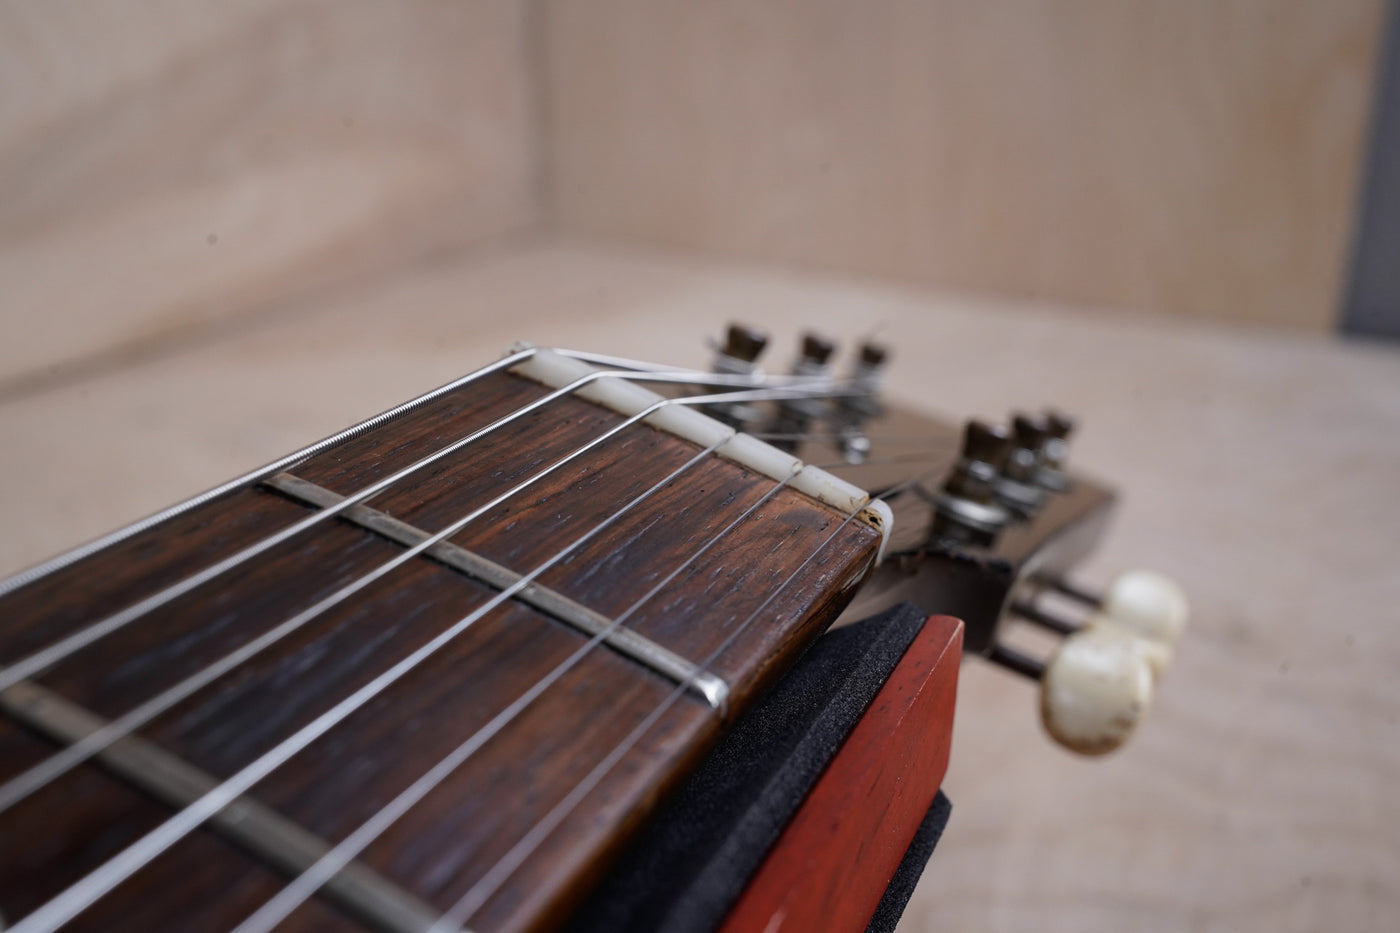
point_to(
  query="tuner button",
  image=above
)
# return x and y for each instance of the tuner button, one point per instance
(1148, 604)
(743, 342)
(1096, 689)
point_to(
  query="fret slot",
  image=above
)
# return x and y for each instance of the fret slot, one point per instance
(253, 827)
(709, 687)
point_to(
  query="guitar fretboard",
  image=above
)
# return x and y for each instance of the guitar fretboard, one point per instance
(570, 606)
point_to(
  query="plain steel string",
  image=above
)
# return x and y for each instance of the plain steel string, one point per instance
(41, 774)
(93, 744)
(921, 456)
(25, 577)
(88, 889)
(317, 874)
(487, 885)
(46, 657)
(84, 892)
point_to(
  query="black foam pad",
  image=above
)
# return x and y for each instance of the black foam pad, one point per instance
(691, 862)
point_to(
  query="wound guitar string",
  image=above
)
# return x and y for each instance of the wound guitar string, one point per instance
(47, 657)
(87, 890)
(25, 577)
(53, 767)
(317, 874)
(479, 893)
(304, 886)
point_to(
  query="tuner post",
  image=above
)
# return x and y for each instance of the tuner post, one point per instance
(1054, 451)
(795, 414)
(1018, 488)
(738, 356)
(967, 510)
(863, 403)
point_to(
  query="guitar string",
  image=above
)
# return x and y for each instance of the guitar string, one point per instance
(850, 389)
(893, 460)
(317, 874)
(621, 362)
(488, 884)
(88, 889)
(53, 767)
(81, 894)
(29, 575)
(46, 657)
(305, 885)
(828, 437)
(25, 577)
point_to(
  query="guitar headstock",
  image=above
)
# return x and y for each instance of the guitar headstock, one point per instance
(989, 523)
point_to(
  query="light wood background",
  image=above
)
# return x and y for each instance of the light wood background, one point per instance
(1258, 469)
(168, 164)
(1184, 156)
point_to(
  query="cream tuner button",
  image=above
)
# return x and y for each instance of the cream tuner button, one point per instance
(1096, 688)
(1148, 604)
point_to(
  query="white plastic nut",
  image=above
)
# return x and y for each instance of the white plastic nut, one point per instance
(1096, 688)
(1147, 603)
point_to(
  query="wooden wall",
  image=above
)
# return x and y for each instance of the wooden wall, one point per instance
(1187, 156)
(168, 163)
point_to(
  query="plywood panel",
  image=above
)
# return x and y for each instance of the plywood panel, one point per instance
(1192, 157)
(168, 163)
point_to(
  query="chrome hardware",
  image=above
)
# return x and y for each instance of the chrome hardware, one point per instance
(853, 411)
(1054, 452)
(738, 356)
(967, 507)
(794, 415)
(1018, 488)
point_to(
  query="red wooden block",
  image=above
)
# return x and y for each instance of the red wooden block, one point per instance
(830, 867)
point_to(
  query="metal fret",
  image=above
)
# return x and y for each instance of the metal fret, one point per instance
(711, 688)
(257, 829)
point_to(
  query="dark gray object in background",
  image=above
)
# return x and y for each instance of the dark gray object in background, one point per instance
(1373, 294)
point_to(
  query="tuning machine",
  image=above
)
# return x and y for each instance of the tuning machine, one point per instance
(1097, 685)
(860, 403)
(966, 506)
(796, 414)
(1054, 451)
(1018, 487)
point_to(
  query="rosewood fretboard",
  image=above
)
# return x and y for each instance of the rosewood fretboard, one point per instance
(745, 600)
